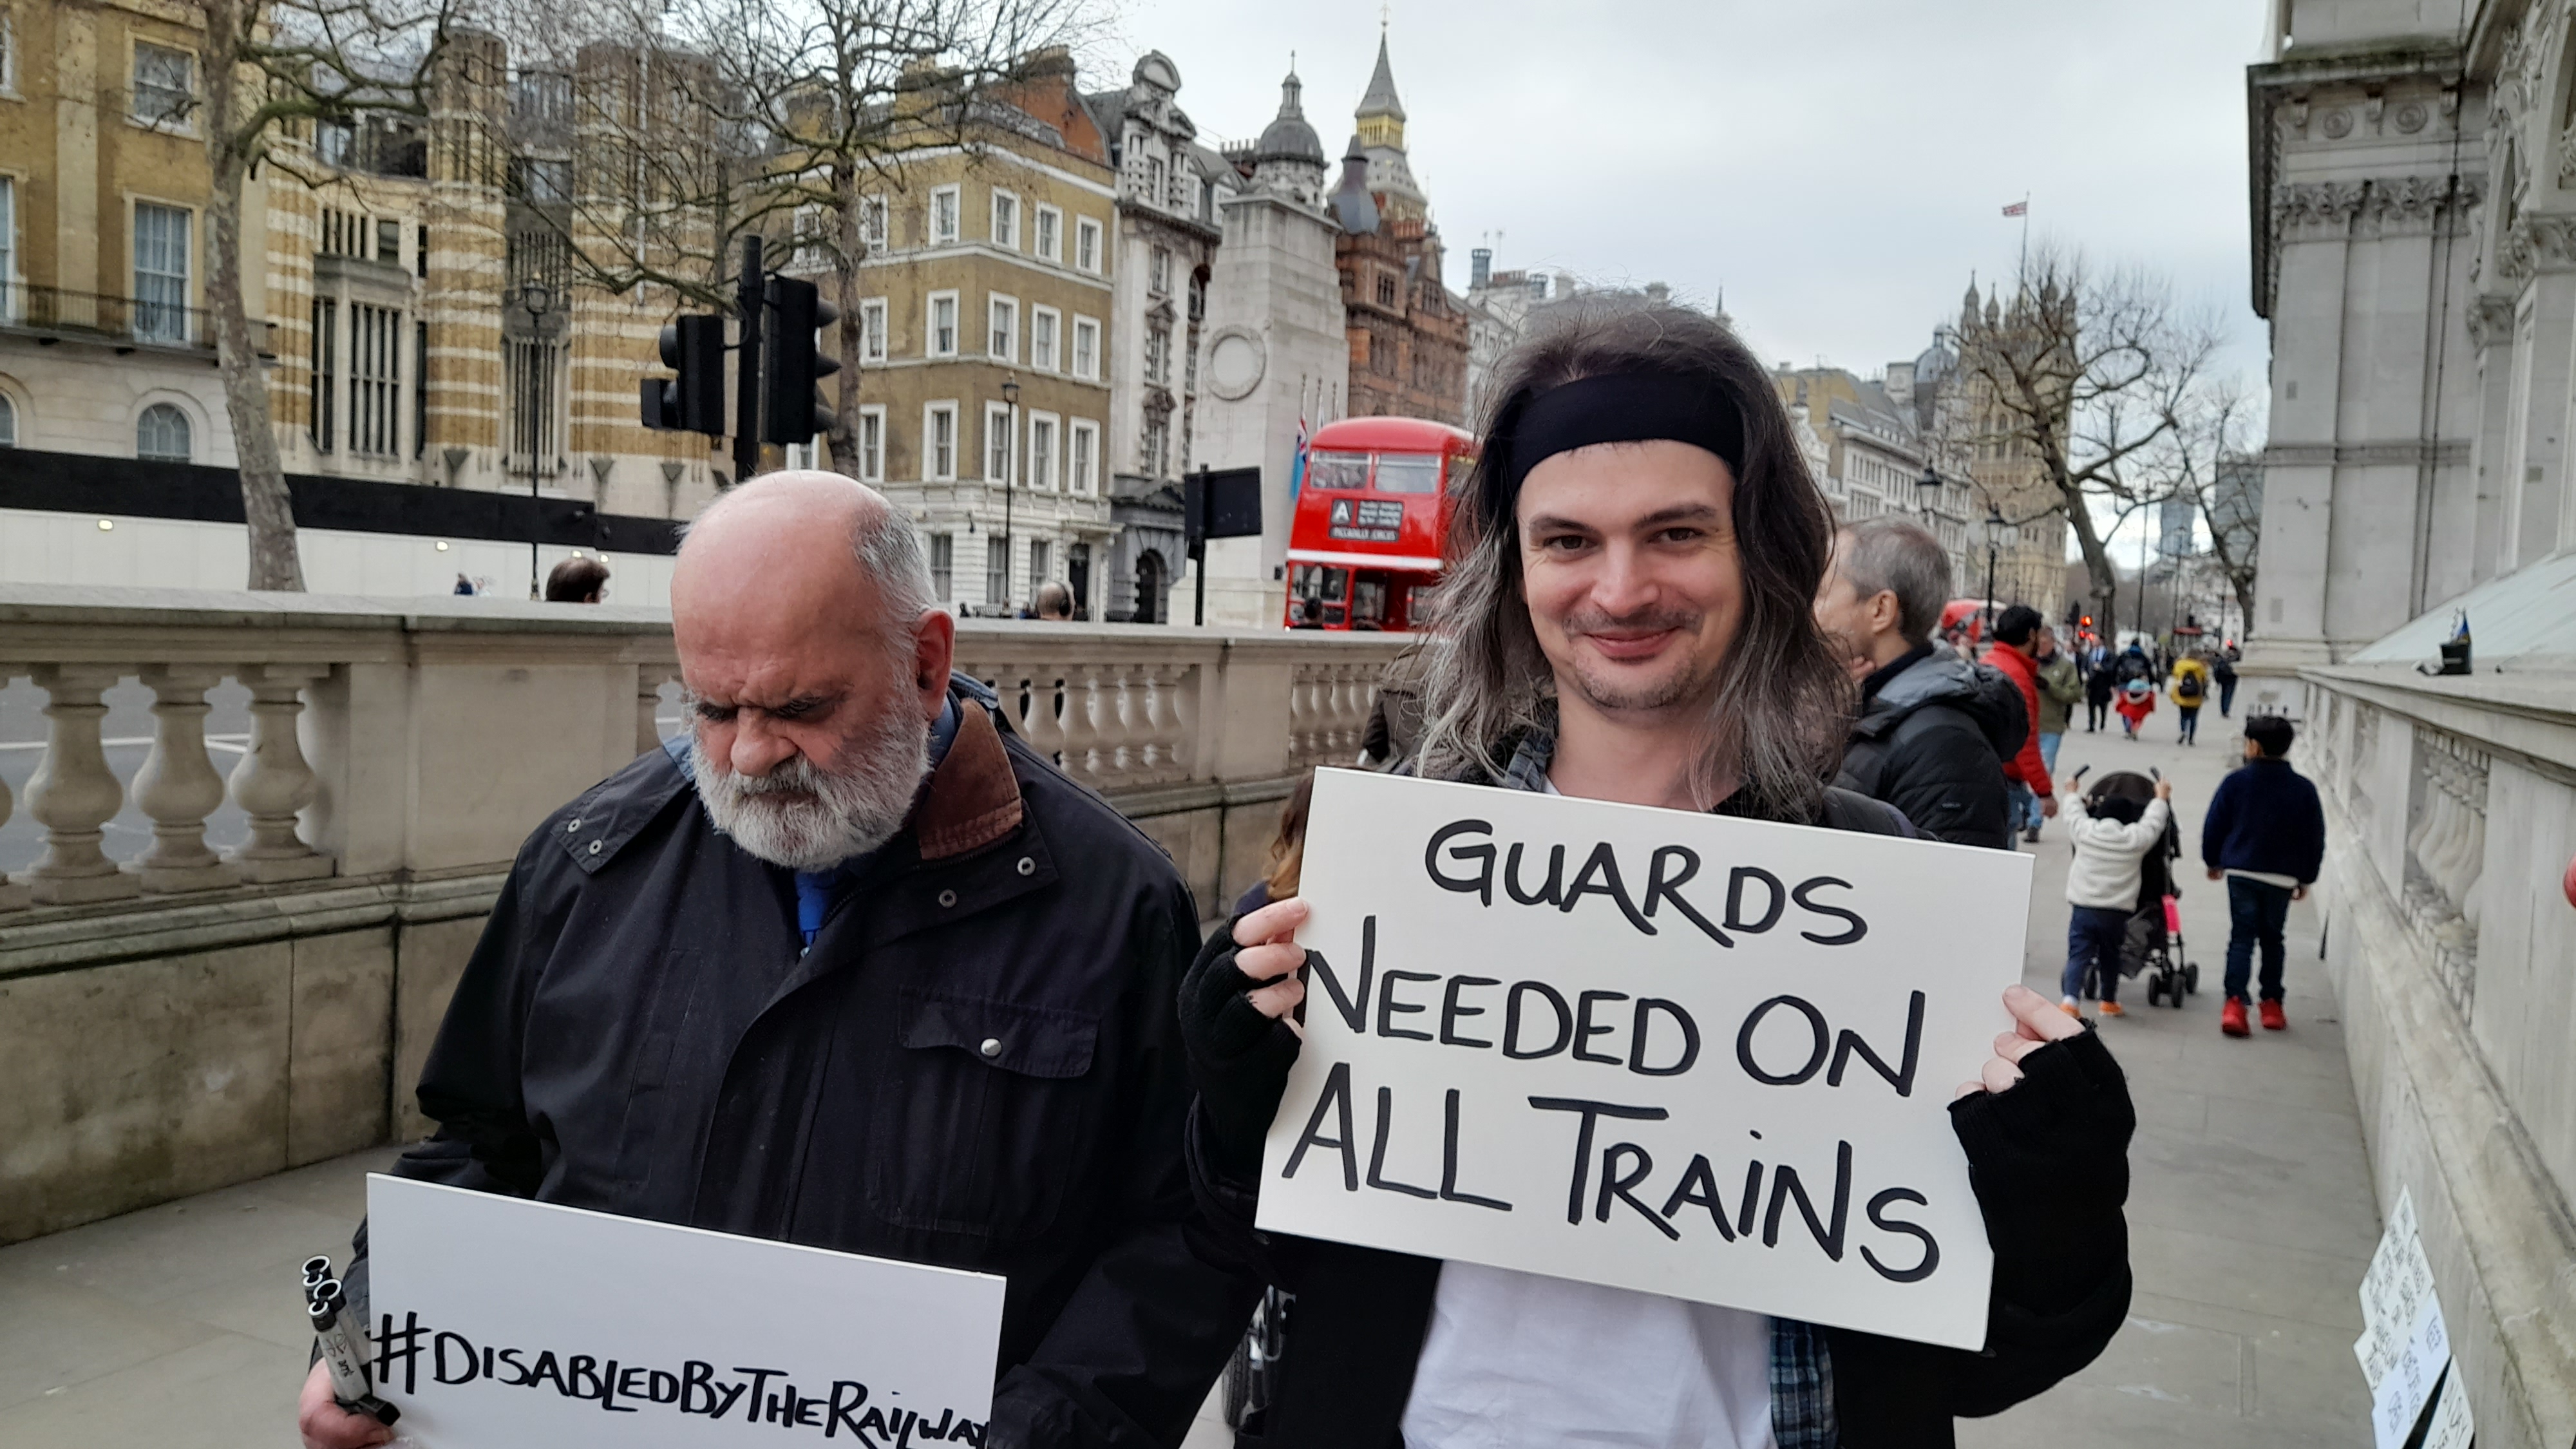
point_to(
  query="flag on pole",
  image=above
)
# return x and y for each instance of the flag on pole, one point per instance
(2018, 208)
(1297, 465)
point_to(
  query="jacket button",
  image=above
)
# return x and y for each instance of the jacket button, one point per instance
(1028, 866)
(594, 847)
(992, 1046)
(572, 827)
(947, 899)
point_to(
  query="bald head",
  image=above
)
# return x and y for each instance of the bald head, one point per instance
(800, 606)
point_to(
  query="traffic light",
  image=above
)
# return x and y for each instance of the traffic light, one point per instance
(792, 366)
(2088, 621)
(694, 401)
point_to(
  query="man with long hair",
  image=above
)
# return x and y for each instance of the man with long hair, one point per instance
(1627, 617)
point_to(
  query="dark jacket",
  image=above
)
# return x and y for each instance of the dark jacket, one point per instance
(976, 1065)
(2049, 1163)
(2265, 817)
(1931, 738)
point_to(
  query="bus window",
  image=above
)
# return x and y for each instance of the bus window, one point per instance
(1408, 473)
(1337, 470)
(1336, 582)
(1368, 601)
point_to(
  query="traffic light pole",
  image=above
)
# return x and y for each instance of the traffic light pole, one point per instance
(746, 394)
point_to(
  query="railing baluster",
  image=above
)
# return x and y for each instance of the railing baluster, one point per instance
(74, 794)
(1081, 726)
(178, 787)
(12, 897)
(273, 782)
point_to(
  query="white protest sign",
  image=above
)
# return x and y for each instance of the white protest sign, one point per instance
(2397, 1400)
(501, 1322)
(2453, 1426)
(1679, 1053)
(2393, 1292)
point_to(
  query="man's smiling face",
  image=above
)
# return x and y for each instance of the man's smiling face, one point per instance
(1630, 571)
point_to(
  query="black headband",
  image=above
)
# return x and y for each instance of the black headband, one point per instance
(1628, 407)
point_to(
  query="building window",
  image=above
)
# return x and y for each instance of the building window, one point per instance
(872, 330)
(530, 369)
(8, 421)
(160, 273)
(1086, 244)
(1154, 180)
(943, 324)
(997, 443)
(943, 215)
(1152, 446)
(8, 52)
(420, 251)
(1050, 234)
(326, 356)
(9, 300)
(939, 443)
(1162, 273)
(389, 243)
(943, 566)
(375, 380)
(1006, 219)
(872, 222)
(1086, 348)
(1042, 452)
(997, 573)
(1158, 354)
(162, 434)
(1041, 561)
(1043, 323)
(1003, 345)
(872, 423)
(1083, 462)
(1386, 291)
(165, 85)
(813, 240)
(419, 388)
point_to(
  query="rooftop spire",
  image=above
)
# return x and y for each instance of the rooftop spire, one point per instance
(1380, 100)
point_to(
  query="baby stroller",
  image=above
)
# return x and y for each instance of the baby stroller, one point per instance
(2153, 943)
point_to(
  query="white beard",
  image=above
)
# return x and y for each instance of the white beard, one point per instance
(805, 818)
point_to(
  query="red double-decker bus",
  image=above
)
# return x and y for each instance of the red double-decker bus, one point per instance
(1365, 545)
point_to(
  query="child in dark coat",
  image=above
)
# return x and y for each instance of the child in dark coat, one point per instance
(2265, 834)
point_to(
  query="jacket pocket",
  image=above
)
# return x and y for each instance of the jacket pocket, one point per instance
(984, 1116)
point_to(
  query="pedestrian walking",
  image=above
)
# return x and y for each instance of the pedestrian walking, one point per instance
(850, 964)
(1054, 602)
(1666, 659)
(464, 586)
(2137, 700)
(2059, 689)
(2222, 672)
(2011, 653)
(1285, 861)
(1933, 729)
(2190, 690)
(2266, 835)
(2112, 835)
(2099, 686)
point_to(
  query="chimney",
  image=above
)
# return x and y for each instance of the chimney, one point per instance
(1480, 268)
(1658, 293)
(1900, 384)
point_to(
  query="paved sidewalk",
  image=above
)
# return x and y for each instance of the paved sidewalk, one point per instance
(2251, 1216)
(2250, 1222)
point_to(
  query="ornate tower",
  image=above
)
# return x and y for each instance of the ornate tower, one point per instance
(1381, 133)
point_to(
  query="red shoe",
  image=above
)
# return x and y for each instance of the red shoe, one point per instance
(2274, 1019)
(2231, 1017)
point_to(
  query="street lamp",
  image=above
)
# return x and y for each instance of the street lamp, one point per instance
(537, 299)
(1997, 532)
(1010, 475)
(1927, 490)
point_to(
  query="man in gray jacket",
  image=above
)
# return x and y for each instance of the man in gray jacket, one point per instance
(1933, 729)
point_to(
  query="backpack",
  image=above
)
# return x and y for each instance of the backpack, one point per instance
(2187, 689)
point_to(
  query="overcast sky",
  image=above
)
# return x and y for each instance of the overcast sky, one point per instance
(1838, 167)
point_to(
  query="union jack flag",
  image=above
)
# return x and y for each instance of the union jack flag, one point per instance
(1297, 466)
(2018, 208)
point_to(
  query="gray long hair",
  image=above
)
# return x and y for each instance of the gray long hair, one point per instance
(1782, 701)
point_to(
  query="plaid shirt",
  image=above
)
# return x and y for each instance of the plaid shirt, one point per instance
(1802, 1368)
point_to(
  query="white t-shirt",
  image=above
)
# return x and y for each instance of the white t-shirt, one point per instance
(1520, 1361)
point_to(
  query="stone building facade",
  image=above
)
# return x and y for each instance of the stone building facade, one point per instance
(1408, 332)
(2414, 252)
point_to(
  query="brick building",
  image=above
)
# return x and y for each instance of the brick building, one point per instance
(1408, 334)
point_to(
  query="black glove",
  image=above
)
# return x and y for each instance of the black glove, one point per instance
(2049, 1158)
(1239, 1058)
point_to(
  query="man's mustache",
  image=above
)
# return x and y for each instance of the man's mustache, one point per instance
(1645, 621)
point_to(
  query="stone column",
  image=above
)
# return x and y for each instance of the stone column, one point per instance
(273, 782)
(74, 794)
(178, 786)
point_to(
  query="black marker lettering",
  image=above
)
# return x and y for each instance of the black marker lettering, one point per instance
(1735, 880)
(1637, 1038)
(1621, 1185)
(1903, 1077)
(1388, 1006)
(1550, 894)
(1592, 1112)
(1336, 1095)
(1354, 1008)
(1699, 1187)
(1512, 1021)
(1451, 1009)
(1802, 895)
(1931, 1249)
(1584, 1030)
(1449, 1163)
(1784, 1184)
(1377, 1153)
(1753, 1022)
(1479, 885)
(1751, 1200)
(468, 1371)
(1605, 864)
(1660, 887)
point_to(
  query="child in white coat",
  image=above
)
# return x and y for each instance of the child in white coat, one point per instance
(2112, 836)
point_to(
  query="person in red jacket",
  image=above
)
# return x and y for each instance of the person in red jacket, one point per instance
(2014, 633)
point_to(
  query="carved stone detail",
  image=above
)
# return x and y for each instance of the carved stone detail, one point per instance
(2537, 244)
(2316, 206)
(2490, 321)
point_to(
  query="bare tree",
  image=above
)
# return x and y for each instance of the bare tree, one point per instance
(789, 122)
(2090, 376)
(274, 68)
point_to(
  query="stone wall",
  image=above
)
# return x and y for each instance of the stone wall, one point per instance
(194, 1017)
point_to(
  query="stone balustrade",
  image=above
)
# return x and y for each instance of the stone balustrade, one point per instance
(249, 979)
(2450, 819)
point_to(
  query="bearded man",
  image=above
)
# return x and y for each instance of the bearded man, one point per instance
(853, 968)
(1627, 616)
